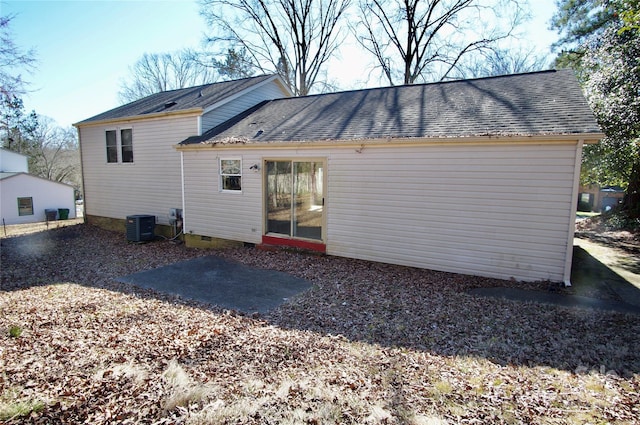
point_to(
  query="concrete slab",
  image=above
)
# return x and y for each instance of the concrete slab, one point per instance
(527, 295)
(593, 282)
(223, 283)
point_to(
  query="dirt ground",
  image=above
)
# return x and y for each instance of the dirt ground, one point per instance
(369, 343)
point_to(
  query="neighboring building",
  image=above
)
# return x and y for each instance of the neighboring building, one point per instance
(475, 176)
(594, 198)
(24, 198)
(13, 161)
(128, 161)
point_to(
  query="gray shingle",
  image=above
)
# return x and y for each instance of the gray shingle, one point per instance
(180, 99)
(541, 103)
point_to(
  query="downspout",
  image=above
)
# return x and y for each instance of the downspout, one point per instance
(184, 211)
(572, 217)
(84, 194)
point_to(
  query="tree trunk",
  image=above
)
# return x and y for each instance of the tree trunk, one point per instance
(632, 197)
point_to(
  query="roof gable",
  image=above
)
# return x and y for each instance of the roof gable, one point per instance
(541, 103)
(181, 99)
(8, 175)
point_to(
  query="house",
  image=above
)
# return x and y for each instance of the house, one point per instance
(473, 176)
(592, 197)
(13, 161)
(128, 161)
(24, 197)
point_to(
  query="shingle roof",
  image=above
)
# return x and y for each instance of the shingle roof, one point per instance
(180, 99)
(541, 103)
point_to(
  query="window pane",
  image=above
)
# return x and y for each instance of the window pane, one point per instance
(230, 166)
(25, 206)
(308, 197)
(126, 140)
(127, 153)
(231, 174)
(279, 197)
(112, 146)
(231, 183)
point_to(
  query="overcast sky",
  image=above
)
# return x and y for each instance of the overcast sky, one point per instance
(85, 48)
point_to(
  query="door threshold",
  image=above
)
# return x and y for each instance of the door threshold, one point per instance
(293, 243)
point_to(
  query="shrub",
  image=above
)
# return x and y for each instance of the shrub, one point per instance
(15, 331)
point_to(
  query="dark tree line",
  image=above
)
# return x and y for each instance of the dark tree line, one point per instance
(601, 41)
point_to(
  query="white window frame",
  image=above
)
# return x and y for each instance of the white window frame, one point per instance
(121, 145)
(106, 146)
(222, 175)
(21, 209)
(119, 157)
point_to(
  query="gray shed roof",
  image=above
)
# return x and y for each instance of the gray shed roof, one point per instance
(180, 99)
(540, 103)
(7, 174)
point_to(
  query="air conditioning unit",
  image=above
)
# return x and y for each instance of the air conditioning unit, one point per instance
(140, 228)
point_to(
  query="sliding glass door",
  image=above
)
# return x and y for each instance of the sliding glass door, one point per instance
(295, 198)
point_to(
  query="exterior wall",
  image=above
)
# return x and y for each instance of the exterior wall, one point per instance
(13, 162)
(240, 104)
(149, 185)
(45, 194)
(492, 210)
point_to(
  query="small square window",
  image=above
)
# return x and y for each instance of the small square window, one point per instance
(231, 174)
(25, 206)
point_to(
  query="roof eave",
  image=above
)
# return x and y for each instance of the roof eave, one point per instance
(586, 138)
(144, 117)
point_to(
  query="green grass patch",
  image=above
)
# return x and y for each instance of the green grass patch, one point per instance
(583, 214)
(15, 331)
(11, 407)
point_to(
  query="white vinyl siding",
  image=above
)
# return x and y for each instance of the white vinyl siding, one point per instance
(212, 212)
(151, 184)
(492, 210)
(238, 105)
(500, 211)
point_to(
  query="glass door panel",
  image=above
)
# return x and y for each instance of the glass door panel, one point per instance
(295, 198)
(279, 197)
(308, 196)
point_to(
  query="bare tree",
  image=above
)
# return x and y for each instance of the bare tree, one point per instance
(294, 38)
(501, 62)
(54, 153)
(13, 62)
(426, 40)
(157, 72)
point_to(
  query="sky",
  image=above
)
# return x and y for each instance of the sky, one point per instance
(85, 48)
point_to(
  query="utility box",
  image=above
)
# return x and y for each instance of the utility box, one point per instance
(141, 228)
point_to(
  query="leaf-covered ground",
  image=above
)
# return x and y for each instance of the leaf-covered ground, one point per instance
(369, 343)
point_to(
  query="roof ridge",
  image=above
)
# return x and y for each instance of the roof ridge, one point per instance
(461, 80)
(181, 98)
(209, 84)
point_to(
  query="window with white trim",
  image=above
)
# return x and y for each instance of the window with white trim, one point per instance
(112, 146)
(25, 206)
(126, 144)
(119, 144)
(230, 174)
